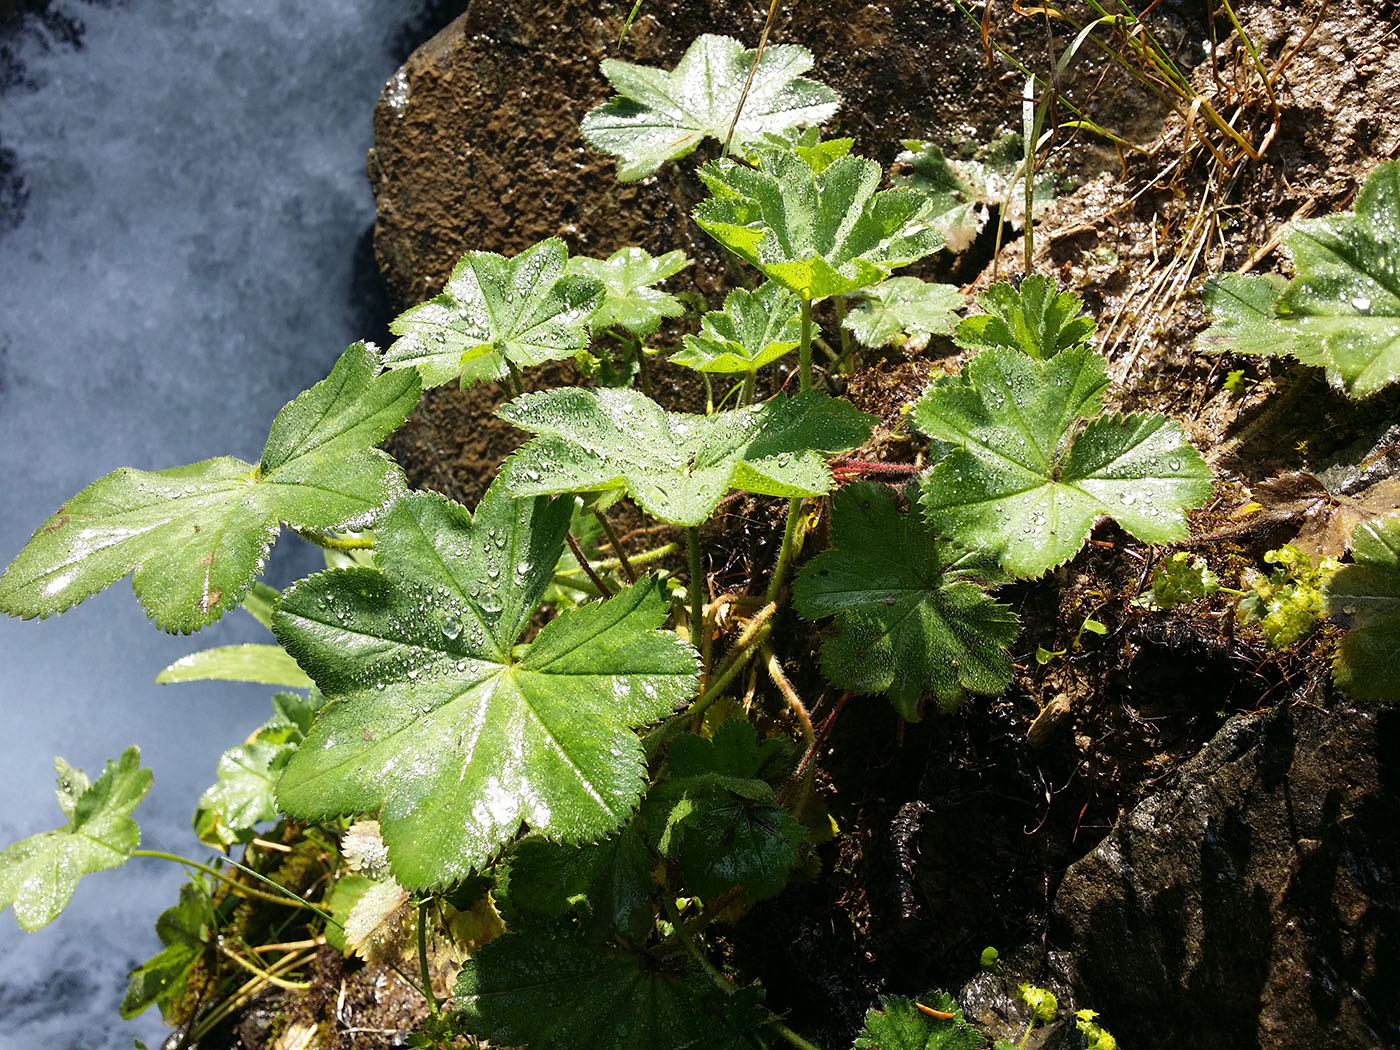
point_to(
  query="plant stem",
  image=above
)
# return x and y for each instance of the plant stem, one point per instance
(336, 543)
(791, 1036)
(582, 560)
(616, 544)
(290, 899)
(668, 903)
(697, 587)
(846, 349)
(253, 968)
(433, 1005)
(241, 996)
(780, 571)
(515, 382)
(746, 391)
(804, 352)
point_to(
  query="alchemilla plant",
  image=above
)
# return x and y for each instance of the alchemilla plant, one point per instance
(509, 744)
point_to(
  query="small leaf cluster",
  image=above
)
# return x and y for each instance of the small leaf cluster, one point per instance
(1288, 602)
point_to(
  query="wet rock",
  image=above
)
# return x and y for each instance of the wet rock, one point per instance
(1255, 904)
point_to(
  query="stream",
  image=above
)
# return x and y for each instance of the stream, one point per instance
(184, 224)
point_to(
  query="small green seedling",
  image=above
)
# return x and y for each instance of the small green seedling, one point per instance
(1287, 603)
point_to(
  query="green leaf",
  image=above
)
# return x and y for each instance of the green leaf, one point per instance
(807, 144)
(911, 615)
(962, 193)
(1180, 579)
(754, 329)
(658, 115)
(344, 895)
(194, 537)
(678, 466)
(904, 310)
(184, 931)
(608, 883)
(39, 874)
(629, 300)
(438, 722)
(267, 664)
(1368, 662)
(563, 994)
(717, 819)
(526, 310)
(900, 1025)
(818, 234)
(1033, 318)
(1342, 310)
(1022, 480)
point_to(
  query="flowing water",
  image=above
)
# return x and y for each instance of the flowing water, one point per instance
(182, 204)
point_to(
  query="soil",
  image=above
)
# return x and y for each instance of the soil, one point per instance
(956, 836)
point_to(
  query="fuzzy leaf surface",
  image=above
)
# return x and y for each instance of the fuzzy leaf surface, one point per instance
(818, 153)
(678, 466)
(564, 993)
(439, 723)
(1342, 310)
(904, 310)
(39, 874)
(754, 329)
(911, 614)
(629, 299)
(194, 537)
(962, 192)
(1021, 480)
(526, 310)
(816, 233)
(900, 1025)
(1367, 664)
(607, 883)
(267, 664)
(1032, 318)
(659, 115)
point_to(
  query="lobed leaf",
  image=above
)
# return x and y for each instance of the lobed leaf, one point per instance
(184, 931)
(904, 310)
(659, 115)
(1342, 310)
(268, 664)
(194, 537)
(1020, 480)
(754, 329)
(565, 993)
(676, 465)
(525, 310)
(1367, 664)
(899, 1024)
(818, 153)
(629, 300)
(1032, 318)
(816, 233)
(911, 614)
(441, 722)
(39, 874)
(963, 192)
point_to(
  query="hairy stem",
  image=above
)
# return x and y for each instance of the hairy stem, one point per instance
(746, 391)
(288, 899)
(433, 1005)
(582, 559)
(697, 587)
(780, 571)
(616, 545)
(804, 351)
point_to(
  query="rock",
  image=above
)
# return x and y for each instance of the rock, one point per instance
(1255, 904)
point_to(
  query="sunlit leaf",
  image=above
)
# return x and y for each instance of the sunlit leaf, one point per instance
(1021, 478)
(754, 329)
(39, 874)
(525, 310)
(1367, 593)
(1032, 318)
(1342, 310)
(565, 993)
(911, 614)
(195, 537)
(818, 234)
(904, 310)
(267, 664)
(807, 143)
(659, 115)
(381, 923)
(629, 299)
(678, 466)
(440, 722)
